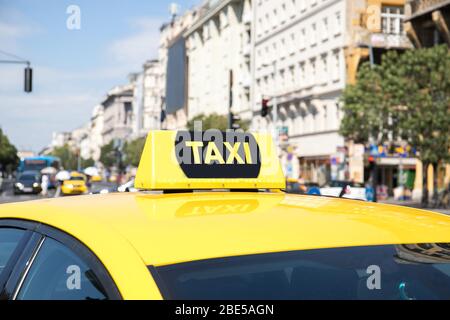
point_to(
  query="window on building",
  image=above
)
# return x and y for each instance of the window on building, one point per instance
(313, 35)
(338, 23)
(325, 29)
(302, 39)
(392, 19)
(336, 66)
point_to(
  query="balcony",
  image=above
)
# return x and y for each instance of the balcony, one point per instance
(382, 40)
(419, 7)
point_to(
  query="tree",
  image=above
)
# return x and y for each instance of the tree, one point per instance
(87, 162)
(424, 90)
(406, 98)
(212, 121)
(8, 154)
(69, 160)
(133, 151)
(108, 155)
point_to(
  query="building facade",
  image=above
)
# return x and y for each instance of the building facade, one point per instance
(219, 49)
(306, 52)
(96, 132)
(118, 114)
(152, 98)
(170, 33)
(428, 22)
(299, 60)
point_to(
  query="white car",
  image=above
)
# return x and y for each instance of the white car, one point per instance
(348, 189)
(127, 187)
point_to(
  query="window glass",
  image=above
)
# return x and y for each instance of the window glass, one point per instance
(57, 273)
(403, 272)
(9, 239)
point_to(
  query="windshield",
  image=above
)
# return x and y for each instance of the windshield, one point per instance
(77, 179)
(28, 178)
(400, 272)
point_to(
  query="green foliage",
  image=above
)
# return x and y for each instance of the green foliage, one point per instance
(215, 121)
(132, 151)
(212, 121)
(8, 154)
(108, 155)
(69, 159)
(406, 97)
(85, 163)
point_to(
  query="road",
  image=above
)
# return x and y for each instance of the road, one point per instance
(8, 194)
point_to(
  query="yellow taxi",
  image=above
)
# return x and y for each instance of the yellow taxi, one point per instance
(76, 185)
(96, 178)
(214, 223)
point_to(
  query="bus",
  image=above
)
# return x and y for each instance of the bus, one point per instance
(38, 163)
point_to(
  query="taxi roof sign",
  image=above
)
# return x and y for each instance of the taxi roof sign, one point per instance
(212, 159)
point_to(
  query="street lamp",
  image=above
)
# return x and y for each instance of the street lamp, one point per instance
(28, 76)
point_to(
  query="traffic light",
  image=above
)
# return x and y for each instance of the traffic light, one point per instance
(28, 85)
(264, 107)
(234, 121)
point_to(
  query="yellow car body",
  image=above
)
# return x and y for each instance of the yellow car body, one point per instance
(134, 237)
(74, 187)
(96, 179)
(129, 232)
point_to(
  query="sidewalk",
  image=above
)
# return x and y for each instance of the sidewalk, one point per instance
(413, 204)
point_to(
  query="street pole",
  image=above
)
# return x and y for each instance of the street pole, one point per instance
(275, 107)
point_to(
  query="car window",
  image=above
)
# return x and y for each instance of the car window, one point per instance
(404, 272)
(77, 178)
(57, 273)
(9, 239)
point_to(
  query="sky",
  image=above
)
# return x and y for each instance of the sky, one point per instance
(72, 69)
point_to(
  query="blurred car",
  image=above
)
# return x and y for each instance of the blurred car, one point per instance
(75, 185)
(128, 187)
(344, 189)
(96, 178)
(28, 182)
(296, 187)
(103, 188)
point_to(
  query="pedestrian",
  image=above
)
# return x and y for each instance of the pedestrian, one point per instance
(44, 185)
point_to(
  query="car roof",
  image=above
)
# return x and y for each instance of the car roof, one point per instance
(173, 228)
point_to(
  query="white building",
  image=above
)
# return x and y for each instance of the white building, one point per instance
(59, 139)
(151, 117)
(299, 59)
(96, 130)
(79, 141)
(219, 48)
(118, 114)
(171, 32)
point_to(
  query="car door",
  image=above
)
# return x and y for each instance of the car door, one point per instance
(12, 242)
(55, 266)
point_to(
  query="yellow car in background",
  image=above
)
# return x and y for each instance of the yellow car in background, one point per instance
(75, 185)
(96, 178)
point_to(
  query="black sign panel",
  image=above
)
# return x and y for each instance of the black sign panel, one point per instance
(215, 154)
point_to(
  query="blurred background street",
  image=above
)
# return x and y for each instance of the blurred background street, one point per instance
(335, 83)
